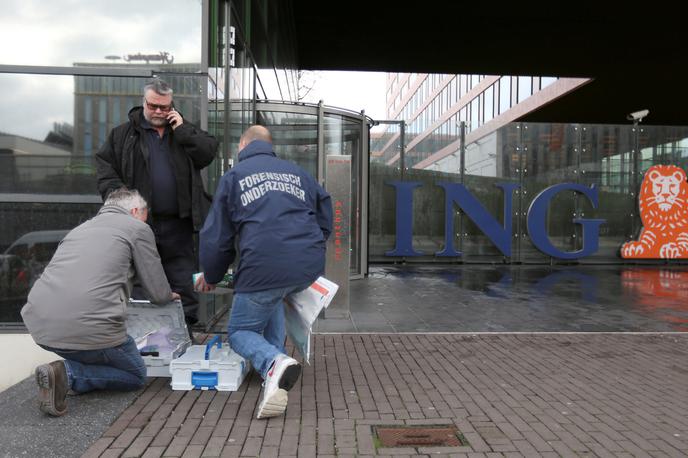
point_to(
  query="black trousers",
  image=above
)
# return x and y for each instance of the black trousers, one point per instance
(176, 246)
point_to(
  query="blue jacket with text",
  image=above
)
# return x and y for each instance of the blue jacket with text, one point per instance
(278, 214)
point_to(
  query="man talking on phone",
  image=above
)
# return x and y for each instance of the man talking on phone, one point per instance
(161, 154)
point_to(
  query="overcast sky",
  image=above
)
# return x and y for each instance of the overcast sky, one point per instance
(60, 33)
(355, 91)
(36, 32)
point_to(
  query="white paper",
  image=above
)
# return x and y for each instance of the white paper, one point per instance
(302, 309)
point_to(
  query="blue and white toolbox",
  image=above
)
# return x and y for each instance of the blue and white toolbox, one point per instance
(209, 367)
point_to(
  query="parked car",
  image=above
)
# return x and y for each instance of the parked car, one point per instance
(14, 276)
(38, 244)
(36, 249)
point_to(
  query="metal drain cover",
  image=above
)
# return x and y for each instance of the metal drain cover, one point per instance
(422, 436)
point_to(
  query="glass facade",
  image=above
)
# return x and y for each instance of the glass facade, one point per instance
(434, 105)
(306, 134)
(68, 82)
(531, 157)
(251, 58)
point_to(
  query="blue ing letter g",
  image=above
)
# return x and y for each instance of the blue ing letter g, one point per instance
(537, 222)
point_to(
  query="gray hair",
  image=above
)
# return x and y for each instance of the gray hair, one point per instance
(127, 199)
(158, 86)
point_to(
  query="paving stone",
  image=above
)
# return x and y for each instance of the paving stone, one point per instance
(97, 448)
(509, 395)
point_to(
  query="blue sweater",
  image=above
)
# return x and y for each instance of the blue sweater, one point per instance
(280, 217)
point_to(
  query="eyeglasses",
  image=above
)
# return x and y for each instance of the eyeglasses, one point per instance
(155, 107)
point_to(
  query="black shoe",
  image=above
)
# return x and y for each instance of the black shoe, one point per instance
(52, 388)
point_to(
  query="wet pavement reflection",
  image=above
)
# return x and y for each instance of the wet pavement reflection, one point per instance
(505, 298)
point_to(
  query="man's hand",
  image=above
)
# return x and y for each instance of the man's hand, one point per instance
(176, 296)
(174, 119)
(202, 286)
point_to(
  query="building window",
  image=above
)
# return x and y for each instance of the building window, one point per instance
(88, 120)
(489, 103)
(115, 116)
(525, 88)
(475, 112)
(504, 93)
(546, 81)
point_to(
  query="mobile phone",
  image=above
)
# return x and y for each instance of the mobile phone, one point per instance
(173, 109)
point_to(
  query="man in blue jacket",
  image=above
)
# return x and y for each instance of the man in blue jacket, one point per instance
(281, 218)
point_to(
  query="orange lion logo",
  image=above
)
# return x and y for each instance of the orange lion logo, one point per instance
(664, 214)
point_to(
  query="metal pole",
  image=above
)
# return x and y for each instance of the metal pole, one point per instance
(226, 116)
(321, 144)
(402, 154)
(364, 186)
(635, 155)
(462, 172)
(204, 64)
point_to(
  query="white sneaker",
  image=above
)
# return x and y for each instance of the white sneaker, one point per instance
(281, 377)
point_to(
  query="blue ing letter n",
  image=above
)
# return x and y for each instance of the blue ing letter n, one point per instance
(457, 194)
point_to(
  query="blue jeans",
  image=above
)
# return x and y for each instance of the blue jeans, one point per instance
(119, 368)
(256, 328)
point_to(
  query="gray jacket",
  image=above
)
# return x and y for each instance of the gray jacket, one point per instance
(79, 302)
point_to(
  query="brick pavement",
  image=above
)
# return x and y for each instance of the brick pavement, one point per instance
(608, 395)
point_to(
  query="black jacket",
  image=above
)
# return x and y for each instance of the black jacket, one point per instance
(123, 161)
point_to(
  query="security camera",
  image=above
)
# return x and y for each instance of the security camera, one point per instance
(638, 115)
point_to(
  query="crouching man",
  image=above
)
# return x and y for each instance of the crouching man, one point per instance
(279, 218)
(77, 307)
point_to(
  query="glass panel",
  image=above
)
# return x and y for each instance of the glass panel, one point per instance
(295, 137)
(428, 210)
(489, 103)
(504, 93)
(546, 81)
(30, 234)
(241, 95)
(607, 162)
(474, 122)
(428, 213)
(385, 143)
(59, 33)
(488, 162)
(525, 88)
(268, 82)
(343, 137)
(50, 129)
(385, 167)
(550, 156)
(536, 156)
(216, 117)
(667, 145)
(443, 136)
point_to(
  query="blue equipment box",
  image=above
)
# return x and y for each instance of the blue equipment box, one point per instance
(209, 367)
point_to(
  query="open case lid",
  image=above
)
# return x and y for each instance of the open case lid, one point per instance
(160, 328)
